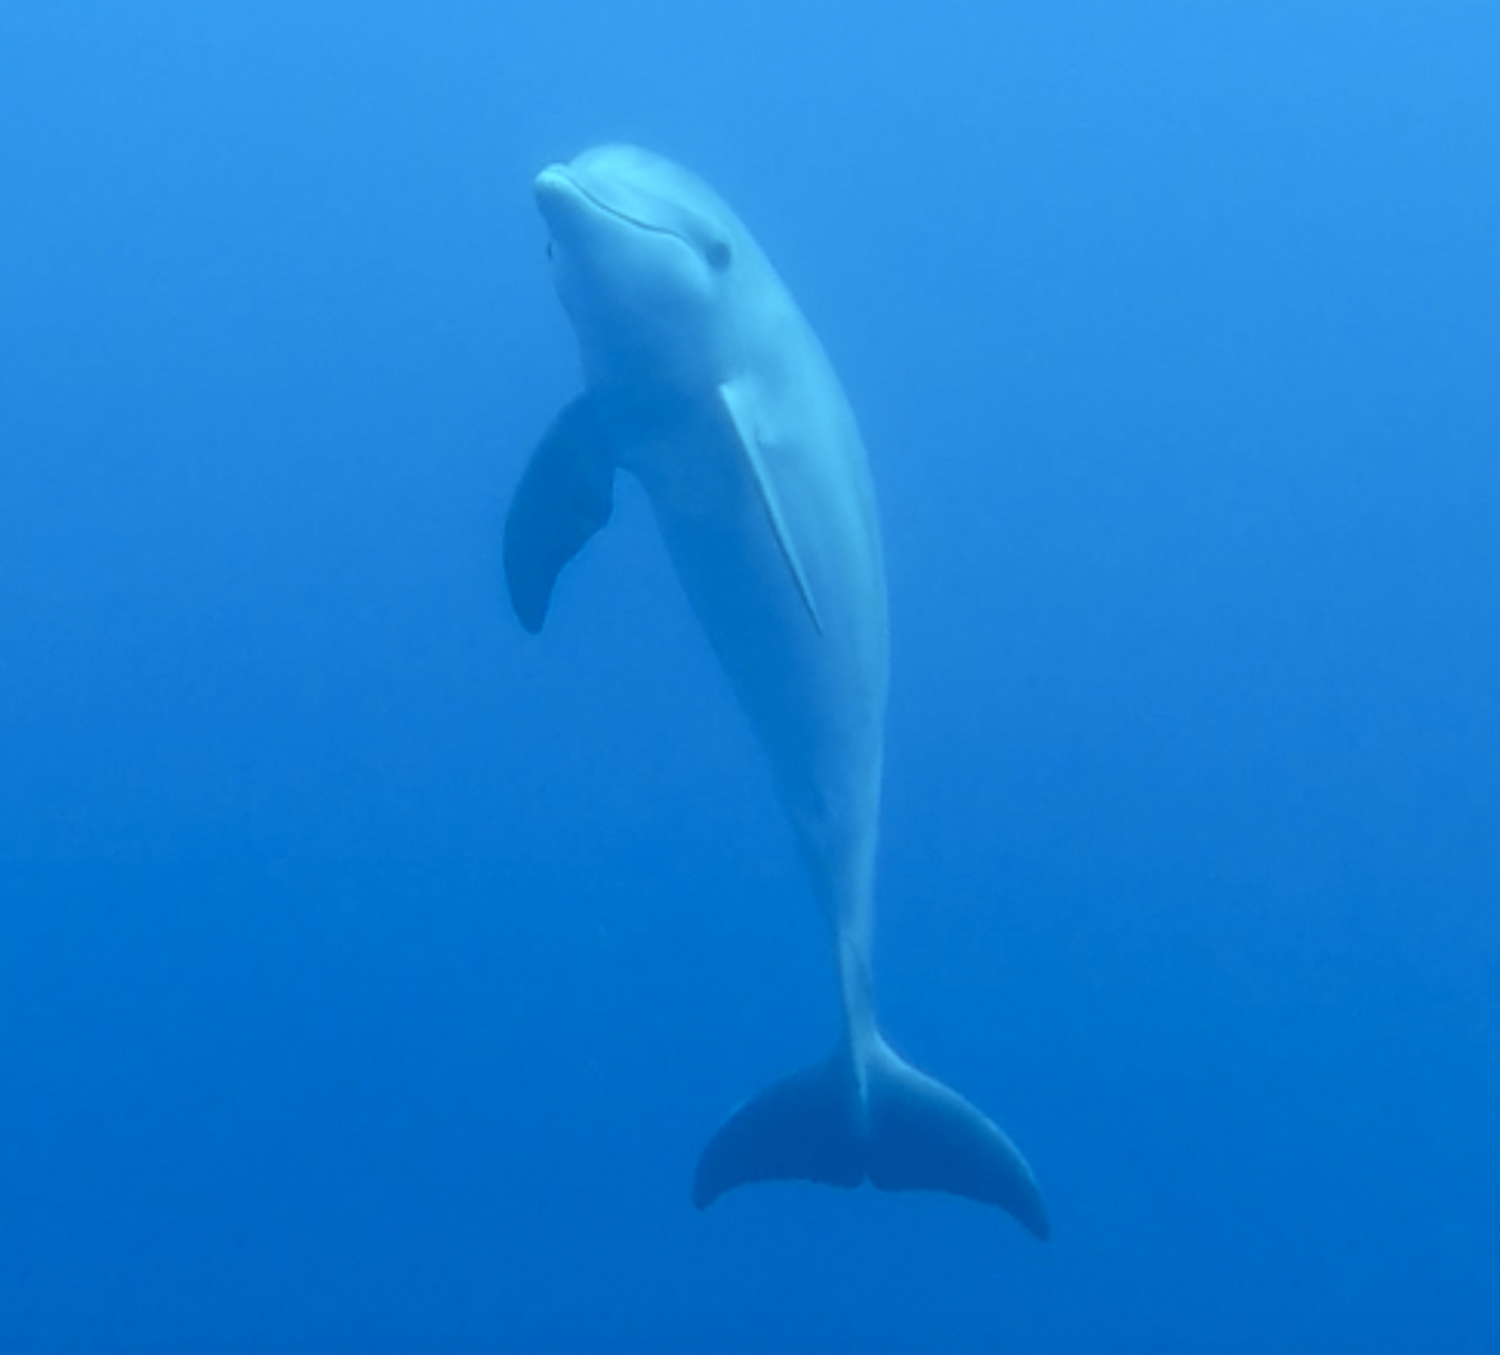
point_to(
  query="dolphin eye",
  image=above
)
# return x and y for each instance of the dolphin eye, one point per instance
(718, 254)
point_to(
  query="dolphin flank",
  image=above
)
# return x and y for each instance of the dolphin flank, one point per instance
(703, 380)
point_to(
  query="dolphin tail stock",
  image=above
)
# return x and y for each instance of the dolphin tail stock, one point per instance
(906, 1132)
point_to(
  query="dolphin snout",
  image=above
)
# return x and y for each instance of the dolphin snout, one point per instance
(556, 196)
(550, 182)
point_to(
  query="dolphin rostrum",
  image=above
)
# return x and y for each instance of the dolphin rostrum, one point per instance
(703, 380)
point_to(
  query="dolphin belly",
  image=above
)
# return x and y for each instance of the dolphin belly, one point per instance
(814, 695)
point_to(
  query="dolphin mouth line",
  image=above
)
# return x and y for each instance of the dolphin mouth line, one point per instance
(615, 212)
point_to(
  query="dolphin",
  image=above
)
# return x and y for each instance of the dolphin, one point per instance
(702, 380)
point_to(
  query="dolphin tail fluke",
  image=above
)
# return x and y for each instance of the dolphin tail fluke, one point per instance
(801, 1128)
(925, 1136)
(910, 1133)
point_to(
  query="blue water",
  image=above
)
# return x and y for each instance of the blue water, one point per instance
(372, 973)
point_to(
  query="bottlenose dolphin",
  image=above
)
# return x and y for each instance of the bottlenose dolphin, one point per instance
(702, 379)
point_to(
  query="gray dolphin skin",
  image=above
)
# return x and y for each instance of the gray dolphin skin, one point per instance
(702, 380)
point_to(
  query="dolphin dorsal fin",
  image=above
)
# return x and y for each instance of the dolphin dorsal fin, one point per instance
(733, 398)
(566, 494)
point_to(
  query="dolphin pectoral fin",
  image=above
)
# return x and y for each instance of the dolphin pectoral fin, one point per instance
(737, 405)
(925, 1136)
(566, 494)
(802, 1128)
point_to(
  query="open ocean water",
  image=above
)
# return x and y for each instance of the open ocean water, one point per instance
(372, 973)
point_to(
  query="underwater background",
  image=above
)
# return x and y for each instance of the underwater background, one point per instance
(371, 973)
